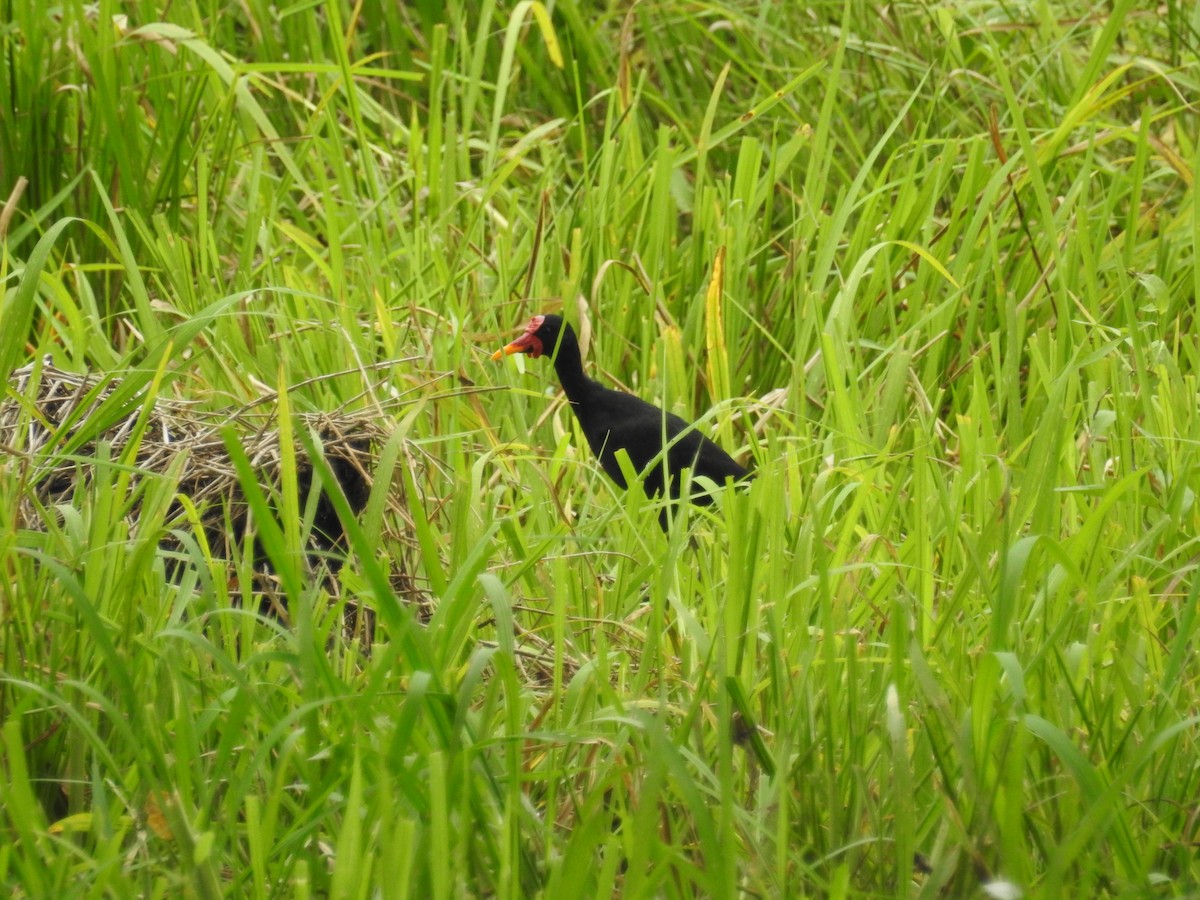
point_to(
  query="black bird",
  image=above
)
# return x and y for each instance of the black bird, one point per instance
(613, 420)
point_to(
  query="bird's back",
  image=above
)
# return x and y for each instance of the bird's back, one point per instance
(612, 420)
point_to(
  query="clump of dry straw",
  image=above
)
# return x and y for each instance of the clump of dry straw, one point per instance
(55, 426)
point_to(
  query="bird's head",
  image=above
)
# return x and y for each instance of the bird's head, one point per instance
(540, 337)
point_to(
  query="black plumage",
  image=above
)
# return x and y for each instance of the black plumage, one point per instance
(613, 420)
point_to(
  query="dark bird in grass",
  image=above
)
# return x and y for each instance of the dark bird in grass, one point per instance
(613, 420)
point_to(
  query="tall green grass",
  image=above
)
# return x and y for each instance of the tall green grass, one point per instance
(929, 268)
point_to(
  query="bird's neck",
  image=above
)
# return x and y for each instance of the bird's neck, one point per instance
(569, 365)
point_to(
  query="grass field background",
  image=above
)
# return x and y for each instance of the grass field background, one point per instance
(929, 268)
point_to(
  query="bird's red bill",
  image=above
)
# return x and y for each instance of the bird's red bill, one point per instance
(529, 342)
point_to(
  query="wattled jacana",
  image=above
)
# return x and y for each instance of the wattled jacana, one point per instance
(613, 420)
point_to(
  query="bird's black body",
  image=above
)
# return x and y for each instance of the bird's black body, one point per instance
(613, 420)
